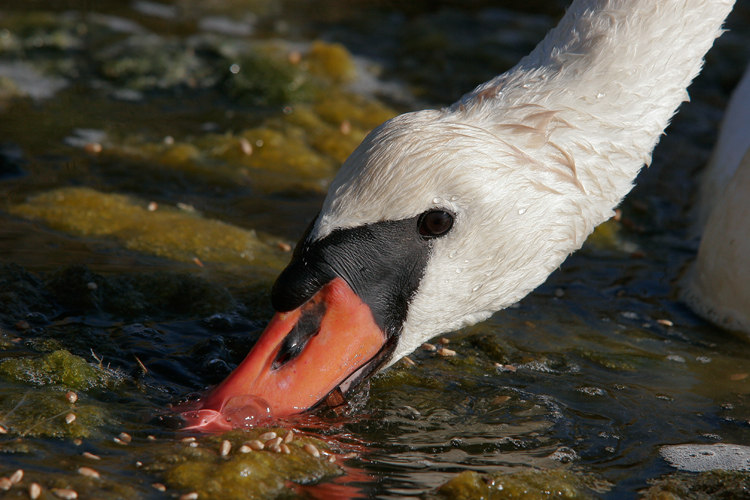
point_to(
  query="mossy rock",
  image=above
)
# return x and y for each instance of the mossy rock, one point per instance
(712, 485)
(59, 368)
(523, 485)
(167, 232)
(254, 475)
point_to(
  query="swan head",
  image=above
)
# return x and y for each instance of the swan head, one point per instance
(437, 220)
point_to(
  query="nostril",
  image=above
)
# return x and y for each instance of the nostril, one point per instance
(307, 327)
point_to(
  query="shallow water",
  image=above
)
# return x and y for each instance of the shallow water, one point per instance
(606, 364)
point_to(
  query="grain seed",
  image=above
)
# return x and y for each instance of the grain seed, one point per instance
(226, 447)
(119, 441)
(267, 435)
(444, 341)
(71, 396)
(245, 449)
(159, 486)
(445, 352)
(3, 430)
(312, 450)
(429, 347)
(34, 491)
(5, 483)
(125, 437)
(275, 448)
(88, 472)
(70, 418)
(256, 445)
(188, 439)
(285, 449)
(64, 493)
(664, 322)
(16, 477)
(91, 456)
(408, 361)
(189, 496)
(273, 442)
(289, 436)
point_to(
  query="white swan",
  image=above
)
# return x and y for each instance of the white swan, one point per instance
(718, 285)
(442, 217)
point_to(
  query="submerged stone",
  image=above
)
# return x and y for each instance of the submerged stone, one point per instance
(242, 473)
(167, 232)
(524, 485)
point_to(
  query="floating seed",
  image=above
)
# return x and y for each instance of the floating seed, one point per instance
(332, 458)
(429, 347)
(194, 444)
(34, 491)
(408, 361)
(88, 472)
(245, 449)
(151, 438)
(256, 445)
(93, 148)
(70, 418)
(444, 341)
(275, 448)
(16, 477)
(349, 455)
(78, 441)
(119, 441)
(289, 436)
(153, 206)
(71, 396)
(285, 247)
(226, 447)
(189, 496)
(445, 352)
(285, 449)
(267, 435)
(246, 147)
(273, 442)
(92, 286)
(312, 450)
(665, 322)
(65, 493)
(5, 483)
(188, 439)
(91, 456)
(159, 486)
(125, 437)
(3, 430)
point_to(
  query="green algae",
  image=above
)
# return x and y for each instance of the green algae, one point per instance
(166, 232)
(712, 485)
(332, 61)
(59, 368)
(523, 485)
(253, 475)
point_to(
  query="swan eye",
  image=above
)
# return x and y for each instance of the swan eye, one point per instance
(435, 223)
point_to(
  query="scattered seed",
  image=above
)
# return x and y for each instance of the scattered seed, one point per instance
(275, 448)
(93, 147)
(445, 352)
(119, 441)
(246, 147)
(188, 439)
(92, 286)
(91, 455)
(267, 435)
(78, 441)
(505, 368)
(559, 293)
(169, 140)
(444, 341)
(226, 447)
(22, 325)
(65, 493)
(138, 463)
(429, 347)
(153, 206)
(194, 444)
(332, 458)
(151, 438)
(273, 442)
(345, 127)
(3, 430)
(349, 455)
(159, 486)
(285, 247)
(34, 491)
(285, 449)
(70, 418)
(665, 322)
(529, 324)
(197, 262)
(245, 449)
(189, 496)
(407, 361)
(500, 400)
(71, 396)
(16, 477)
(738, 376)
(618, 214)
(125, 437)
(289, 436)
(88, 472)
(256, 445)
(5, 483)
(312, 450)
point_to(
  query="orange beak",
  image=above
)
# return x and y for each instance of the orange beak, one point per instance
(302, 356)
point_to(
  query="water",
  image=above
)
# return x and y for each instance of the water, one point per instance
(593, 372)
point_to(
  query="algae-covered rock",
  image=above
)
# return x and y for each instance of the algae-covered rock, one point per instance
(331, 60)
(524, 485)
(712, 485)
(60, 368)
(242, 473)
(166, 232)
(264, 80)
(47, 412)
